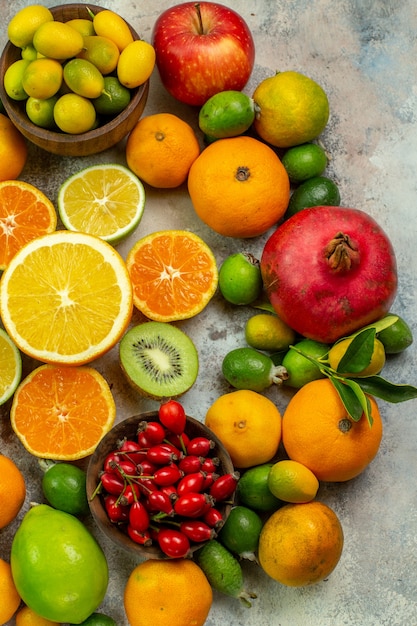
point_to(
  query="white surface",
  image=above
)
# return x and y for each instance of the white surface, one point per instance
(363, 53)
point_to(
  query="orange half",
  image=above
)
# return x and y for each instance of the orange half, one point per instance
(173, 273)
(25, 213)
(62, 412)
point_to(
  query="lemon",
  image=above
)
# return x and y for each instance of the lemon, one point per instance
(42, 78)
(104, 200)
(74, 114)
(291, 481)
(268, 332)
(25, 22)
(10, 367)
(375, 365)
(136, 63)
(41, 111)
(292, 109)
(57, 40)
(13, 80)
(304, 162)
(114, 99)
(83, 78)
(102, 52)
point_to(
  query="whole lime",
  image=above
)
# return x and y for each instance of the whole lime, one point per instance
(114, 98)
(240, 533)
(304, 162)
(98, 619)
(253, 491)
(396, 337)
(59, 569)
(299, 367)
(240, 280)
(226, 114)
(64, 486)
(316, 191)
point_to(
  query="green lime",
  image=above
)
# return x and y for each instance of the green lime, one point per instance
(300, 369)
(98, 619)
(246, 368)
(253, 491)
(316, 191)
(304, 162)
(63, 485)
(58, 567)
(268, 332)
(396, 337)
(226, 114)
(13, 77)
(41, 111)
(240, 533)
(114, 98)
(240, 280)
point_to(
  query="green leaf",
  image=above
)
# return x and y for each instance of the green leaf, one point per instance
(381, 324)
(359, 352)
(354, 401)
(384, 389)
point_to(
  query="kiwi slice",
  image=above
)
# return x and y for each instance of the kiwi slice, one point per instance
(159, 360)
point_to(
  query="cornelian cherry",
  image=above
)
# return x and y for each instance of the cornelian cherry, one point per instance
(172, 416)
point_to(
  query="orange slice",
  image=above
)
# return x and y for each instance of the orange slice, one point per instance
(62, 412)
(174, 275)
(25, 213)
(66, 298)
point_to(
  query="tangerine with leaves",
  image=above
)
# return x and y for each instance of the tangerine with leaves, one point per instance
(173, 273)
(12, 491)
(25, 213)
(62, 413)
(318, 432)
(239, 187)
(160, 150)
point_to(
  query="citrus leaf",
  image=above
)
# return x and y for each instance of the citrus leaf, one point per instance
(359, 352)
(352, 397)
(384, 389)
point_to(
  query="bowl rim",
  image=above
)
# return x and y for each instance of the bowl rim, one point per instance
(42, 136)
(111, 530)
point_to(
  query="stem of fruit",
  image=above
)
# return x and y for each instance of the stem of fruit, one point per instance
(341, 253)
(200, 19)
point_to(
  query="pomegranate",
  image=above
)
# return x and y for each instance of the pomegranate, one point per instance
(328, 271)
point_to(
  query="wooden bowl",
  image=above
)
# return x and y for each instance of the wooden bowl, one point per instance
(91, 142)
(128, 428)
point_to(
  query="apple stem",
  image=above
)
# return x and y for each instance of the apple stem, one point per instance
(200, 19)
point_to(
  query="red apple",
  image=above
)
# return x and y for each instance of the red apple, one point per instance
(202, 48)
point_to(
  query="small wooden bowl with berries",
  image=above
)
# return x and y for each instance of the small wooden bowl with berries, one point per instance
(160, 483)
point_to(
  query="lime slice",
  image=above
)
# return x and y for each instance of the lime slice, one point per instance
(103, 200)
(10, 367)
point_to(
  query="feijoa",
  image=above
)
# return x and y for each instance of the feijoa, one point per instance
(240, 532)
(247, 368)
(226, 114)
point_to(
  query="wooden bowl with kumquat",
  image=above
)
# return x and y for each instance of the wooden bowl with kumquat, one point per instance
(107, 131)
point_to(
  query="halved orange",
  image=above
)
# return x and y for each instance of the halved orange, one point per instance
(62, 412)
(173, 273)
(25, 213)
(66, 298)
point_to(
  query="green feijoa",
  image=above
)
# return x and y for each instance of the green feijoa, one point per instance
(300, 369)
(396, 337)
(304, 162)
(253, 491)
(64, 486)
(247, 368)
(223, 570)
(226, 114)
(240, 533)
(316, 191)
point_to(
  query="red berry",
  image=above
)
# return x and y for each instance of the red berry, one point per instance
(143, 539)
(160, 502)
(190, 463)
(197, 530)
(173, 543)
(116, 512)
(131, 451)
(213, 518)
(112, 483)
(210, 464)
(192, 504)
(111, 461)
(131, 493)
(172, 416)
(224, 486)
(161, 453)
(167, 475)
(179, 441)
(191, 483)
(200, 446)
(154, 431)
(139, 516)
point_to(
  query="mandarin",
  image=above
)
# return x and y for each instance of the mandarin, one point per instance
(160, 150)
(301, 544)
(239, 187)
(13, 150)
(167, 593)
(27, 617)
(318, 432)
(12, 490)
(10, 598)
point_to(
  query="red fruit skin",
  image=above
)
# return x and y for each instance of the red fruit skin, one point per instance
(315, 300)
